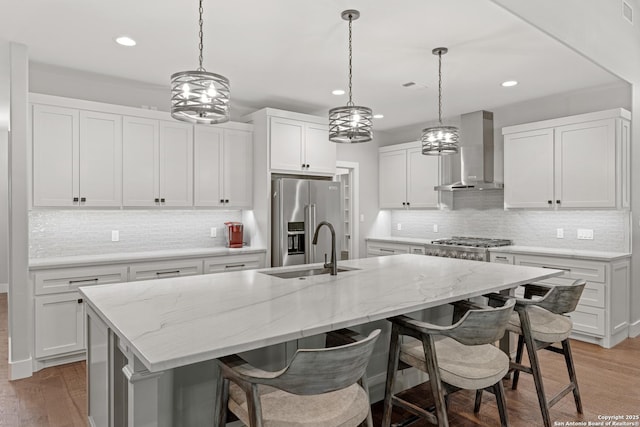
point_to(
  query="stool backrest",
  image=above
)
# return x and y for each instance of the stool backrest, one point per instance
(483, 326)
(323, 370)
(562, 299)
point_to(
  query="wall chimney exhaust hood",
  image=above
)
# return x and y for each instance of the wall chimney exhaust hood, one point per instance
(476, 154)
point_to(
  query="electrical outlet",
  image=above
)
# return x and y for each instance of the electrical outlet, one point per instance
(115, 236)
(214, 232)
(435, 228)
(361, 217)
(399, 226)
(585, 234)
(560, 233)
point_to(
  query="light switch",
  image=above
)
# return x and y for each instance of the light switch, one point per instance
(435, 228)
(115, 236)
(560, 233)
(214, 232)
(361, 217)
(399, 226)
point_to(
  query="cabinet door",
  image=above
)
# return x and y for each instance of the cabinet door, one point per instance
(286, 139)
(100, 159)
(55, 156)
(237, 167)
(393, 179)
(140, 162)
(423, 173)
(176, 164)
(319, 152)
(59, 324)
(528, 169)
(207, 161)
(585, 166)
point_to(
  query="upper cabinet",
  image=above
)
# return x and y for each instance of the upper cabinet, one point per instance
(223, 167)
(569, 163)
(407, 177)
(76, 157)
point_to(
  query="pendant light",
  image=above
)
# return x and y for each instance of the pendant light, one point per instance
(350, 123)
(200, 96)
(440, 140)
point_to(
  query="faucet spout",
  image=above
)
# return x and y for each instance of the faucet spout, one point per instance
(333, 264)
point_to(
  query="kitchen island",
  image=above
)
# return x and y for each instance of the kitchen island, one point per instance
(147, 340)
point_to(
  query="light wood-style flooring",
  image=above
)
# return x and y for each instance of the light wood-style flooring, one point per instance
(609, 382)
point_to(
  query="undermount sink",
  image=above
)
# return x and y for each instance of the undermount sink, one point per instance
(293, 274)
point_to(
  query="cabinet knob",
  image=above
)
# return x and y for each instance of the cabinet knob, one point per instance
(549, 202)
(75, 199)
(162, 200)
(80, 300)
(404, 203)
(307, 165)
(226, 200)
(221, 200)
(83, 199)
(156, 200)
(408, 204)
(558, 201)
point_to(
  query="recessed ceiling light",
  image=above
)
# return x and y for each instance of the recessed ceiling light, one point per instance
(125, 41)
(378, 116)
(338, 92)
(509, 83)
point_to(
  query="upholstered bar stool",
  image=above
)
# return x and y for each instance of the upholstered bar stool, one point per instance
(460, 357)
(540, 320)
(319, 388)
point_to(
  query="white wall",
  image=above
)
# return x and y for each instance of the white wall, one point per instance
(4, 166)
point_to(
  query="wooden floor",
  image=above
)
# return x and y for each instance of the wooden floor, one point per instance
(609, 383)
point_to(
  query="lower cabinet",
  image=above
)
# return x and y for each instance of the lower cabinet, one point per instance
(164, 269)
(233, 263)
(59, 324)
(383, 248)
(602, 314)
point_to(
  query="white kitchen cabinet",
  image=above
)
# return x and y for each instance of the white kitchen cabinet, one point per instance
(377, 248)
(223, 167)
(157, 163)
(602, 314)
(77, 157)
(572, 163)
(301, 147)
(233, 263)
(407, 177)
(59, 324)
(69, 279)
(164, 269)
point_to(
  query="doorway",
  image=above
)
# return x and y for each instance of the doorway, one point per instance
(347, 175)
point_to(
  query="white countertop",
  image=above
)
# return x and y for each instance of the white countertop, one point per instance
(565, 253)
(178, 321)
(127, 257)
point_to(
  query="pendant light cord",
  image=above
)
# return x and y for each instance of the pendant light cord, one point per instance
(440, 87)
(200, 36)
(350, 103)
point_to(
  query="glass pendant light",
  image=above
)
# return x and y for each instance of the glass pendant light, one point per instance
(200, 96)
(440, 140)
(350, 123)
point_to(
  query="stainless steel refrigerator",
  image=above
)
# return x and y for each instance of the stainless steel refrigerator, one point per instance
(297, 207)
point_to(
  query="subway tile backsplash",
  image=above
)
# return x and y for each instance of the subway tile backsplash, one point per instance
(478, 215)
(55, 233)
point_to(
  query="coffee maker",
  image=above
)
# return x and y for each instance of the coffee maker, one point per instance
(234, 231)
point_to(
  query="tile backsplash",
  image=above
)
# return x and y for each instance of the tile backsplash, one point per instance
(55, 233)
(481, 215)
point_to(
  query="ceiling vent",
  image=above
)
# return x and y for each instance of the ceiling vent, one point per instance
(627, 11)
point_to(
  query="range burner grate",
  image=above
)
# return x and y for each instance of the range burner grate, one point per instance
(475, 242)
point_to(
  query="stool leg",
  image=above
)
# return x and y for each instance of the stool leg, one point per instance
(535, 369)
(498, 390)
(568, 358)
(392, 367)
(516, 373)
(476, 406)
(434, 379)
(222, 400)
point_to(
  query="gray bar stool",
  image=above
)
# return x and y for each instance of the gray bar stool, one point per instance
(464, 358)
(320, 387)
(541, 322)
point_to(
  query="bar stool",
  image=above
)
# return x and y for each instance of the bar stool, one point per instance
(320, 388)
(463, 358)
(540, 323)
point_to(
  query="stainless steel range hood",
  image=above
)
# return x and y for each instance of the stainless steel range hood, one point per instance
(476, 154)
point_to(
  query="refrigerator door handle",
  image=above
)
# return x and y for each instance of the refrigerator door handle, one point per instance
(309, 228)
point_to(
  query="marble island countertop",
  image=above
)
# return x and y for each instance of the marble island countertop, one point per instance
(173, 322)
(127, 257)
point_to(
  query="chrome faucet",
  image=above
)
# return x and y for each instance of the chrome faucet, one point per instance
(333, 264)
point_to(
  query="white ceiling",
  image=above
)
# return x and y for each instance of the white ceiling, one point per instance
(292, 53)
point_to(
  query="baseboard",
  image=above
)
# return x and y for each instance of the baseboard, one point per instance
(634, 329)
(20, 369)
(4, 288)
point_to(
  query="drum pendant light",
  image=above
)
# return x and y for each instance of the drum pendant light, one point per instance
(200, 96)
(440, 140)
(350, 123)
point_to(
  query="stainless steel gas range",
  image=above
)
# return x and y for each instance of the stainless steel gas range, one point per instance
(472, 248)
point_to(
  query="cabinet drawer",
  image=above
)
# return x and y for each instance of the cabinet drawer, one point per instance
(164, 269)
(374, 249)
(418, 250)
(591, 271)
(59, 324)
(69, 279)
(589, 320)
(502, 258)
(233, 263)
(593, 295)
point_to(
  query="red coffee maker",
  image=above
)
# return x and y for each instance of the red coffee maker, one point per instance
(234, 234)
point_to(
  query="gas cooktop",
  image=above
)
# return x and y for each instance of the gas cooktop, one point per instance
(474, 242)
